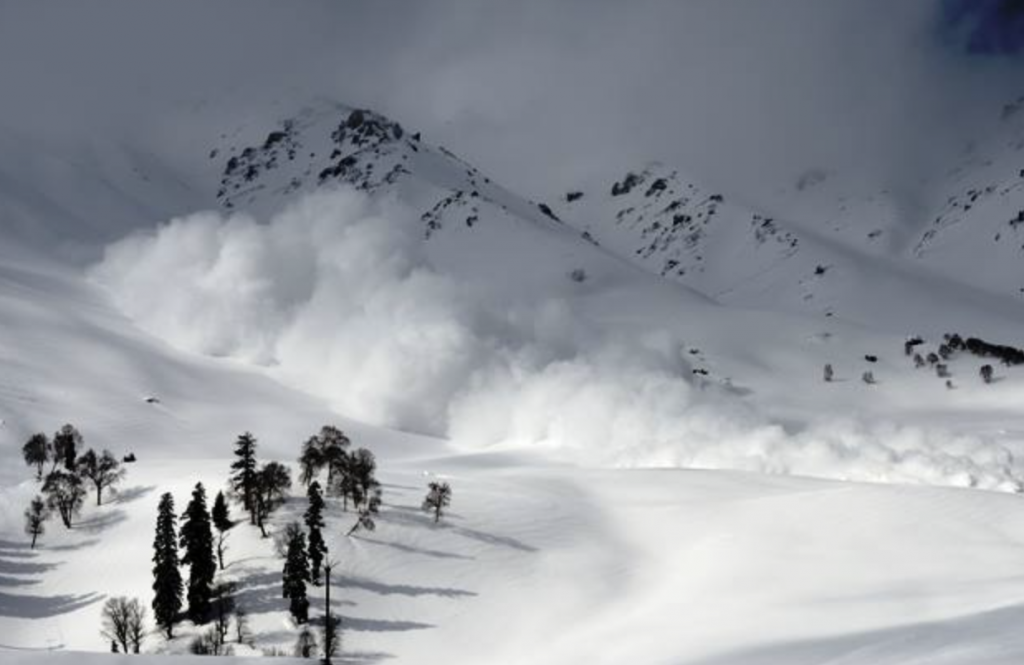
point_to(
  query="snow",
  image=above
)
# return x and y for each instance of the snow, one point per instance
(646, 465)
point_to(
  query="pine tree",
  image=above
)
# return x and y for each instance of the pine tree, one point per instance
(65, 494)
(197, 542)
(222, 522)
(315, 523)
(35, 519)
(103, 470)
(66, 443)
(295, 576)
(36, 452)
(243, 480)
(166, 576)
(439, 497)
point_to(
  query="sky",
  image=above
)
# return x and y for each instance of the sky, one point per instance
(744, 95)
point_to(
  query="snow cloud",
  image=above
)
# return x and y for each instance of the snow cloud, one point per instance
(336, 296)
(545, 96)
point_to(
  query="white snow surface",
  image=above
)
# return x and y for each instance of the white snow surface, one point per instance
(612, 501)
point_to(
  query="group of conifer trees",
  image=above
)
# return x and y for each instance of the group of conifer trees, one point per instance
(199, 542)
(193, 545)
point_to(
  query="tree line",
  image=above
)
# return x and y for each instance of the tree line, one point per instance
(65, 484)
(349, 474)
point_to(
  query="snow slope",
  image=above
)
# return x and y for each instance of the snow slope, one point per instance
(546, 374)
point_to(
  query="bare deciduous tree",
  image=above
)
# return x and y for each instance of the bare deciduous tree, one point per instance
(124, 623)
(103, 470)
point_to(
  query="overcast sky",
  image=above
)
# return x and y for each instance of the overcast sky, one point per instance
(743, 94)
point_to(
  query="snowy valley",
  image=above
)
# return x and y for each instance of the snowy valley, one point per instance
(680, 423)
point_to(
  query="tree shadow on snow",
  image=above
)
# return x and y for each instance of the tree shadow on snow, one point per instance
(71, 547)
(409, 549)
(974, 636)
(16, 581)
(40, 607)
(379, 625)
(364, 657)
(261, 593)
(347, 582)
(133, 493)
(101, 522)
(23, 567)
(414, 516)
(18, 569)
(12, 550)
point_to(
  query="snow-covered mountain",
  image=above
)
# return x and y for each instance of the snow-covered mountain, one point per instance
(323, 263)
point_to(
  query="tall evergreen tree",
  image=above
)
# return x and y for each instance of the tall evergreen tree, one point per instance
(103, 470)
(295, 576)
(36, 452)
(66, 443)
(222, 522)
(167, 585)
(315, 523)
(197, 543)
(243, 478)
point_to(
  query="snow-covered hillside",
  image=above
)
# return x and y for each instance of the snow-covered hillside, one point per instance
(624, 387)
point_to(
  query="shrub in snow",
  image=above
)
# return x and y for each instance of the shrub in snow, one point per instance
(306, 645)
(439, 497)
(868, 377)
(942, 371)
(918, 361)
(223, 603)
(908, 346)
(986, 373)
(828, 372)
